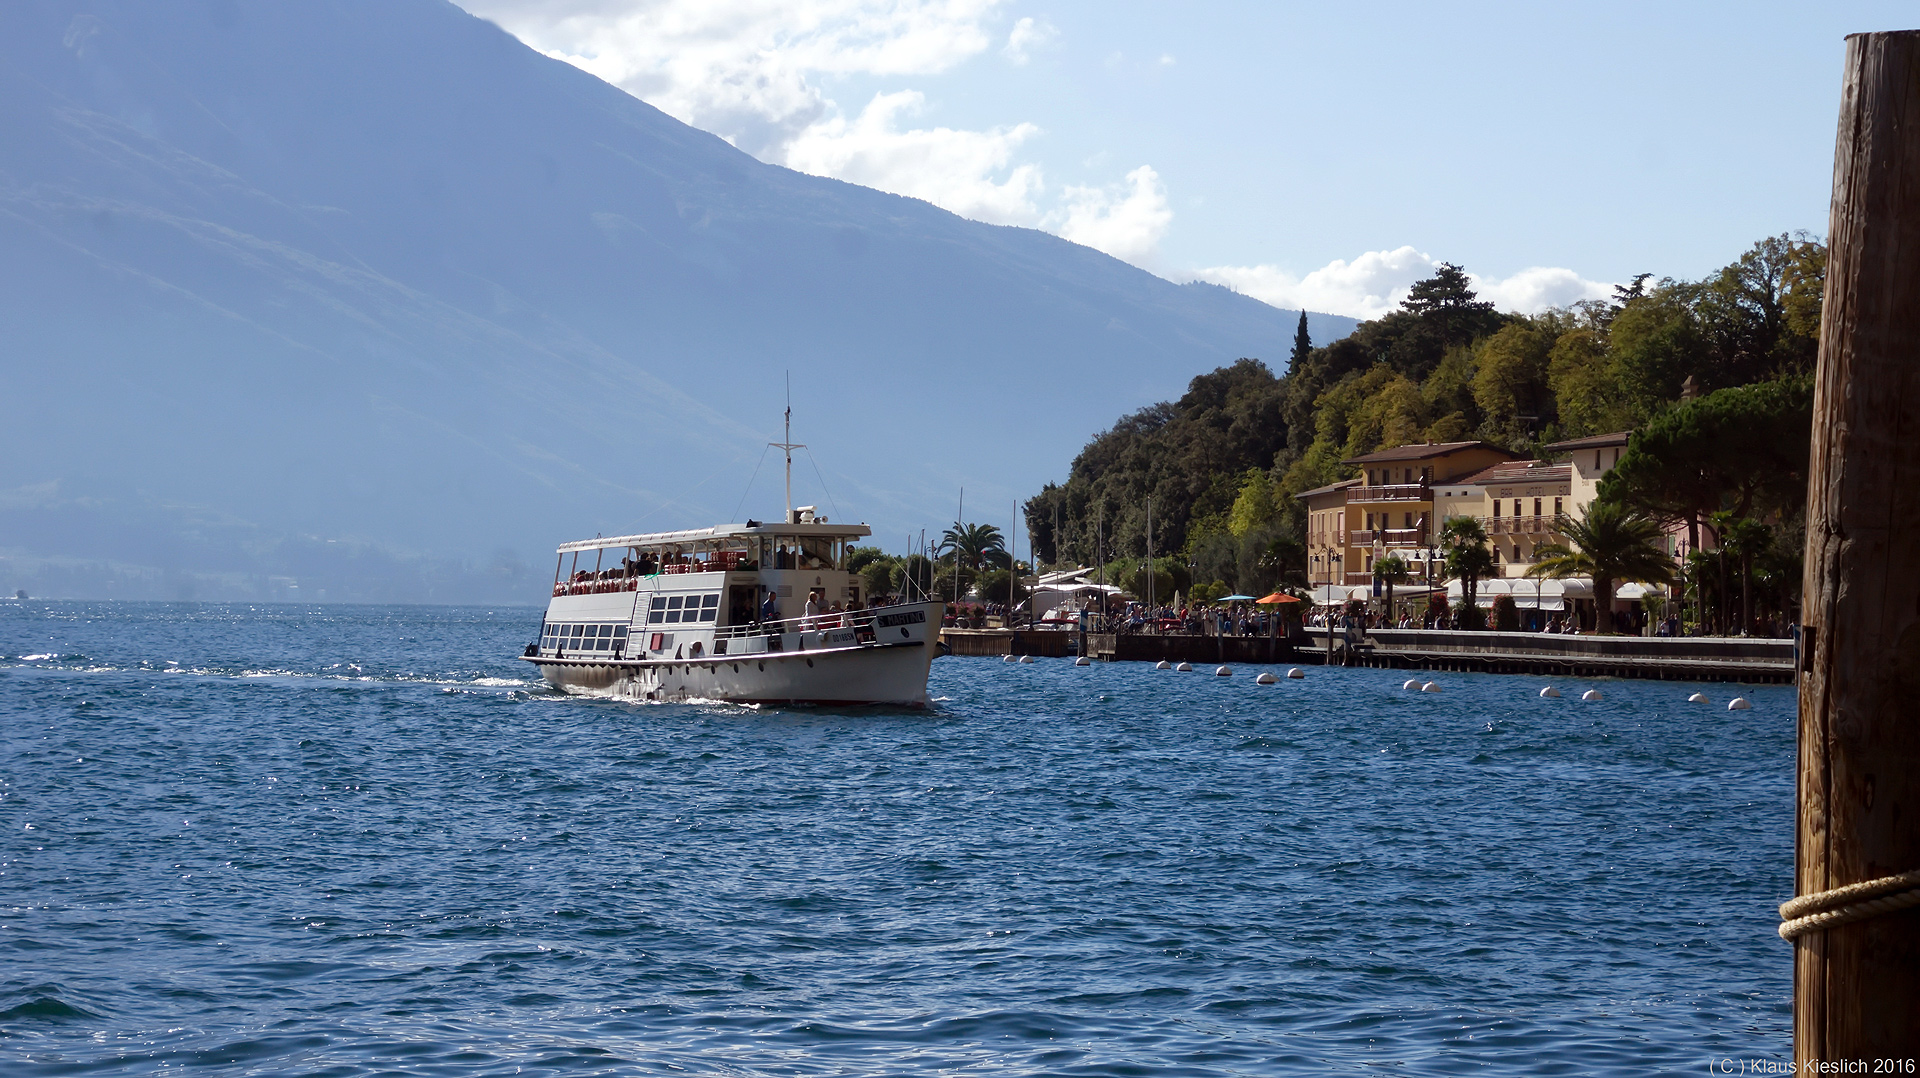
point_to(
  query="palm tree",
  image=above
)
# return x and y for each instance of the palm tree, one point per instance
(973, 544)
(1609, 543)
(1390, 570)
(1467, 556)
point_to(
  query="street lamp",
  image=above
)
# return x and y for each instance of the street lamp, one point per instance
(1333, 573)
(1426, 529)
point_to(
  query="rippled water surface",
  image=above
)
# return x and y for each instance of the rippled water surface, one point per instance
(359, 840)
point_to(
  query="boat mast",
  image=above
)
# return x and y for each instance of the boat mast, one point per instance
(789, 445)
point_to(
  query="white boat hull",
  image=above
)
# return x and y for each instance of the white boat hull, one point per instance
(746, 613)
(883, 672)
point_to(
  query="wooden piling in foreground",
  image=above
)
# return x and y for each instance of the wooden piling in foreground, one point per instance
(1856, 987)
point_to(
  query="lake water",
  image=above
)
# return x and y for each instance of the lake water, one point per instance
(361, 840)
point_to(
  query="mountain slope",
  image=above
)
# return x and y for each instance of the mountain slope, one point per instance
(283, 281)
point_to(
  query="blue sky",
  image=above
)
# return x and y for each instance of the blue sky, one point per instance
(1320, 155)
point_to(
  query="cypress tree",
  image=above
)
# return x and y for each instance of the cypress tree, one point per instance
(1302, 344)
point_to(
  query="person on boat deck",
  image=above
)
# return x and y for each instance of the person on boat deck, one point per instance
(769, 610)
(813, 606)
(782, 558)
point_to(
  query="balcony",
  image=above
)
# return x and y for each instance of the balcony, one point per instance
(1388, 537)
(1543, 525)
(1402, 492)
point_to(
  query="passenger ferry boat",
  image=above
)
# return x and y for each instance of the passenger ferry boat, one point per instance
(722, 613)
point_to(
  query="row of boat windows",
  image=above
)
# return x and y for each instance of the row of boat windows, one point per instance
(585, 637)
(674, 609)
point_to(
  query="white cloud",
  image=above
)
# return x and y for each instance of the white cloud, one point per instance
(1026, 36)
(948, 168)
(1535, 289)
(751, 71)
(742, 68)
(1376, 282)
(1126, 222)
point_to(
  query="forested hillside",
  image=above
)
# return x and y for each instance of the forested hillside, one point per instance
(1223, 463)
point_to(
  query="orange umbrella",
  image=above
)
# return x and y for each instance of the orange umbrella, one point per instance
(1277, 597)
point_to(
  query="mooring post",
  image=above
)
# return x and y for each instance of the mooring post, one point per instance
(1856, 986)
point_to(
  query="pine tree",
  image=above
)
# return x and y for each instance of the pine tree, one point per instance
(1302, 344)
(1446, 301)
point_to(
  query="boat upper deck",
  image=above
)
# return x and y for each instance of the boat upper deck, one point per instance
(805, 544)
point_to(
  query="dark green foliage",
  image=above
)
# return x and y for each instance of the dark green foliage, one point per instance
(1170, 578)
(993, 586)
(1506, 614)
(1446, 306)
(1187, 456)
(1468, 616)
(859, 557)
(916, 572)
(1302, 345)
(1743, 449)
(879, 577)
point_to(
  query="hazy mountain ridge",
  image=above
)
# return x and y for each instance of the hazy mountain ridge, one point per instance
(377, 273)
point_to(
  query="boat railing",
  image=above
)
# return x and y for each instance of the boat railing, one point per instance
(865, 620)
(618, 580)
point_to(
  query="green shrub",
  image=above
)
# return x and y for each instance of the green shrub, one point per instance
(1506, 615)
(1468, 616)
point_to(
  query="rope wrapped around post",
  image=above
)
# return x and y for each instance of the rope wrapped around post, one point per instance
(1845, 905)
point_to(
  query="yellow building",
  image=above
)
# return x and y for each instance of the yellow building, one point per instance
(1403, 496)
(1388, 509)
(1520, 504)
(1590, 458)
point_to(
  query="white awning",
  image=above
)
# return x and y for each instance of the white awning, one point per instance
(1075, 589)
(1527, 594)
(1335, 595)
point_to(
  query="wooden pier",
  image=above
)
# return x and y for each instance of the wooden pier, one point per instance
(1687, 658)
(1042, 643)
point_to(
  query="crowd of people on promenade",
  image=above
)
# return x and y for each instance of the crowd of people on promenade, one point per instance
(1431, 619)
(1625, 622)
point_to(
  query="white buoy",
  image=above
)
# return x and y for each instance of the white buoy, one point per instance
(1223, 671)
(1296, 672)
(1009, 658)
(1592, 694)
(1026, 658)
(1266, 679)
(1430, 687)
(1739, 703)
(1184, 668)
(1411, 685)
(1699, 698)
(1163, 665)
(1550, 693)
(1083, 661)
